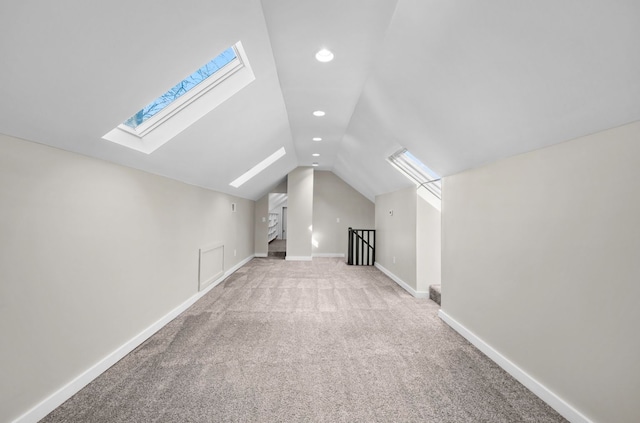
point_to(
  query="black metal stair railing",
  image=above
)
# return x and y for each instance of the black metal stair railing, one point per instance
(362, 247)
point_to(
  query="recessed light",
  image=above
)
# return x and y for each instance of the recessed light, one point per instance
(319, 113)
(324, 55)
(316, 154)
(314, 164)
(317, 139)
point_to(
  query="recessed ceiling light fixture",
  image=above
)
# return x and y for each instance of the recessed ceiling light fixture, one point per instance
(319, 113)
(317, 139)
(316, 154)
(258, 168)
(314, 164)
(324, 56)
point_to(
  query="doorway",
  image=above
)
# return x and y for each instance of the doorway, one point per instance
(284, 223)
(277, 235)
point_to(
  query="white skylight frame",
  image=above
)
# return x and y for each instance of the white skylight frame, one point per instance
(184, 100)
(411, 167)
(189, 108)
(258, 168)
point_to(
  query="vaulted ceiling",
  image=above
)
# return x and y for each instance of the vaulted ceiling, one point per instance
(458, 83)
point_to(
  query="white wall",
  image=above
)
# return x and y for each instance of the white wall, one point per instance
(396, 234)
(541, 261)
(261, 245)
(91, 254)
(428, 244)
(299, 213)
(281, 188)
(333, 199)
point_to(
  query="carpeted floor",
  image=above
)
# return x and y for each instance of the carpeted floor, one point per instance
(317, 341)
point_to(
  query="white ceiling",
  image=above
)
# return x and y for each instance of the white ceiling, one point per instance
(459, 83)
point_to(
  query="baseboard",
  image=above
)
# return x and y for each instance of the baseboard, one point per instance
(403, 284)
(261, 255)
(57, 398)
(554, 401)
(298, 258)
(232, 270)
(328, 255)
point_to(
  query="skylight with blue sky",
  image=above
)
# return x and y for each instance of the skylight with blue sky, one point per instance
(411, 167)
(187, 101)
(181, 88)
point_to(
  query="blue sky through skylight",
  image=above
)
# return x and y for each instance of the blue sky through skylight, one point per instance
(181, 88)
(422, 165)
(415, 170)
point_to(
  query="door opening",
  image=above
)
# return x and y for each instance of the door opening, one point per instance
(277, 225)
(284, 223)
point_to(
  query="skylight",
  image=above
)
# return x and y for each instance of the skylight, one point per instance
(181, 88)
(416, 171)
(187, 101)
(258, 168)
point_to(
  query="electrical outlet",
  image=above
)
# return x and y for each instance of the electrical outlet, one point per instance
(337, 220)
(264, 219)
(235, 253)
(394, 259)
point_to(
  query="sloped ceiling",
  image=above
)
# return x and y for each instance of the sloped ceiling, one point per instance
(459, 83)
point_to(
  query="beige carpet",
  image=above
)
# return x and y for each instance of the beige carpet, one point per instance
(317, 341)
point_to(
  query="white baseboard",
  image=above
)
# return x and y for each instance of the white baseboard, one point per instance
(328, 255)
(298, 258)
(231, 271)
(554, 401)
(261, 255)
(57, 398)
(403, 284)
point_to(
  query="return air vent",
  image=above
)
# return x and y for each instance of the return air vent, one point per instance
(211, 265)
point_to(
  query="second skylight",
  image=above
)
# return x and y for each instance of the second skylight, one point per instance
(416, 171)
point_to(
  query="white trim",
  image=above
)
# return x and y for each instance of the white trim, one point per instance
(328, 255)
(67, 391)
(261, 255)
(544, 393)
(213, 246)
(403, 284)
(202, 284)
(232, 270)
(298, 258)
